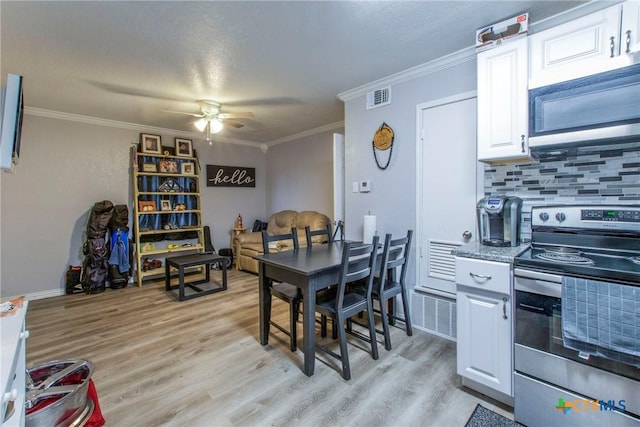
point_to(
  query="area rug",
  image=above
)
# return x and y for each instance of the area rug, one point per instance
(483, 417)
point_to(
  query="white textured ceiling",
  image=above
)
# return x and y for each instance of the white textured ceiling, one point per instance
(284, 61)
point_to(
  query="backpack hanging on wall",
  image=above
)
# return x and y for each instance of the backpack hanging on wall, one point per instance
(121, 257)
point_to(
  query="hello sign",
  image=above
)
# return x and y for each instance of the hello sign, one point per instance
(230, 176)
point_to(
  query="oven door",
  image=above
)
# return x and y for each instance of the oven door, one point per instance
(538, 319)
(540, 355)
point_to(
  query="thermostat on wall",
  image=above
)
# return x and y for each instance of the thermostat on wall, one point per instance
(365, 186)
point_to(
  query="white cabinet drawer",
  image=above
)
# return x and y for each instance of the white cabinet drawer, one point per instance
(480, 274)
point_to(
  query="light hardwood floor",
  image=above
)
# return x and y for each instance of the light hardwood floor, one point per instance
(200, 363)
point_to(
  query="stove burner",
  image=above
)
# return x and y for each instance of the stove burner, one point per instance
(562, 250)
(562, 258)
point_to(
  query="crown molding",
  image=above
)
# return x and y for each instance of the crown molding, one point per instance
(442, 63)
(41, 112)
(310, 132)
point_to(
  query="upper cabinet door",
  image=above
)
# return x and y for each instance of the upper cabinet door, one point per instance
(503, 102)
(585, 46)
(630, 30)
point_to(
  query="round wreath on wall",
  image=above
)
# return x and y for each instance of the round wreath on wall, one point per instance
(382, 141)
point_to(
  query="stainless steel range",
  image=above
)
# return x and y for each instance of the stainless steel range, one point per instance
(577, 318)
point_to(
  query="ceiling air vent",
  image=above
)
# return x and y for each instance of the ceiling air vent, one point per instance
(378, 98)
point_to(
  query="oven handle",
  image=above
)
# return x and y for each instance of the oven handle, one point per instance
(537, 282)
(537, 275)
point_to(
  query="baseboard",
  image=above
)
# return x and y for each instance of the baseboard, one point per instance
(40, 294)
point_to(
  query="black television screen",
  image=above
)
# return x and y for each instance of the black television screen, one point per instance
(11, 125)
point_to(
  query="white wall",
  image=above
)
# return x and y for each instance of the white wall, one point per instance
(65, 167)
(393, 195)
(300, 174)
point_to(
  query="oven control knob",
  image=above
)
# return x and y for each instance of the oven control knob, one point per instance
(544, 216)
(560, 216)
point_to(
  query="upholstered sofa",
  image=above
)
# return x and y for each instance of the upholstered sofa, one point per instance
(248, 245)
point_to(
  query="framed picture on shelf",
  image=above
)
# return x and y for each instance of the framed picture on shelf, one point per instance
(168, 166)
(184, 147)
(150, 143)
(188, 168)
(146, 205)
(149, 167)
(165, 205)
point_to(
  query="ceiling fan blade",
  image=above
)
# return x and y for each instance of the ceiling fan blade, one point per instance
(182, 112)
(233, 123)
(246, 115)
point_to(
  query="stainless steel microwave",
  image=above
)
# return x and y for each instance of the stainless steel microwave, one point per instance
(595, 108)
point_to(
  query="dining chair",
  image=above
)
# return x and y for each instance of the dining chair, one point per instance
(388, 285)
(358, 262)
(321, 232)
(286, 292)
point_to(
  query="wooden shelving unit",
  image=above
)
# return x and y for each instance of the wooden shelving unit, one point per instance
(169, 219)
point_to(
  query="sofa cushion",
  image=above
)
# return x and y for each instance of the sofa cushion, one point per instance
(315, 221)
(281, 222)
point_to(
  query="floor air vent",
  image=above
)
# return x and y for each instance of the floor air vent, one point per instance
(378, 98)
(434, 314)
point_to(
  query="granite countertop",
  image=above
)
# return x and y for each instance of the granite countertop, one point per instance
(489, 253)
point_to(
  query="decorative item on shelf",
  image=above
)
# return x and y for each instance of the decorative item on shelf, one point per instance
(170, 226)
(239, 221)
(149, 167)
(172, 246)
(188, 168)
(170, 185)
(168, 166)
(148, 247)
(184, 147)
(179, 207)
(150, 143)
(382, 141)
(165, 205)
(146, 206)
(166, 152)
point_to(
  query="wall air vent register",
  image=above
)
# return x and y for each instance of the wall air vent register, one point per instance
(378, 98)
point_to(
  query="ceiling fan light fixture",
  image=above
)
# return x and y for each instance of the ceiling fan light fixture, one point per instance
(215, 125)
(201, 124)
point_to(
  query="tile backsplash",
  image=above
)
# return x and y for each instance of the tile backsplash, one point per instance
(593, 175)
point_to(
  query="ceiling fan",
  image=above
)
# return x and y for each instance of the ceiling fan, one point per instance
(212, 120)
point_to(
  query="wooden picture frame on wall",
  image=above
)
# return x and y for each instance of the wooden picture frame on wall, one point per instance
(184, 147)
(151, 144)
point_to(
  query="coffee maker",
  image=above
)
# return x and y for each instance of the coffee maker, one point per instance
(499, 220)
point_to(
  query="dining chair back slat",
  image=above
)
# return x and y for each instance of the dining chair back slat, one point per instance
(321, 232)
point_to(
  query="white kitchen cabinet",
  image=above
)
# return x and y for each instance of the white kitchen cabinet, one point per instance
(589, 45)
(485, 338)
(503, 102)
(12, 368)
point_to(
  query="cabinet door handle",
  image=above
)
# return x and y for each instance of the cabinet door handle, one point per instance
(612, 45)
(504, 307)
(479, 276)
(522, 142)
(628, 42)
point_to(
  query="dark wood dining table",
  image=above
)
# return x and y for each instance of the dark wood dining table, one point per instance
(310, 269)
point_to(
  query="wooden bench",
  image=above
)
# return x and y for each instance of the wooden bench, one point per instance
(185, 261)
